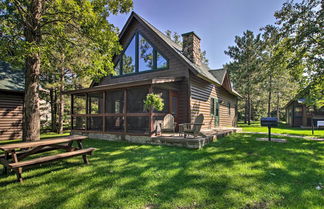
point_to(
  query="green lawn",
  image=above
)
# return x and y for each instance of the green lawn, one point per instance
(281, 129)
(234, 172)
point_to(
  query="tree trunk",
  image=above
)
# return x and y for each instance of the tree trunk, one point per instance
(53, 109)
(61, 103)
(278, 107)
(32, 34)
(249, 109)
(269, 98)
(245, 111)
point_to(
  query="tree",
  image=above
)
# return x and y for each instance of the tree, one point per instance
(174, 36)
(301, 28)
(28, 28)
(245, 67)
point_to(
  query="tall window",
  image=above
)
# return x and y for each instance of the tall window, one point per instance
(229, 108)
(145, 54)
(140, 56)
(128, 60)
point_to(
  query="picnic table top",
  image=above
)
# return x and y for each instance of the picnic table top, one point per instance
(44, 142)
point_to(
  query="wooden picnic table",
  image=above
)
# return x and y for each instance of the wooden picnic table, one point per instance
(14, 153)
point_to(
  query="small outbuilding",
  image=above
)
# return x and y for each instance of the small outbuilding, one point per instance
(11, 101)
(299, 115)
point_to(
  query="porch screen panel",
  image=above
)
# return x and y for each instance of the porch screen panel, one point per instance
(79, 104)
(115, 124)
(115, 101)
(138, 124)
(95, 103)
(165, 96)
(79, 123)
(135, 99)
(95, 123)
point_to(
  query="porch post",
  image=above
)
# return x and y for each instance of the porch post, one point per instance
(104, 111)
(87, 111)
(125, 110)
(71, 111)
(151, 122)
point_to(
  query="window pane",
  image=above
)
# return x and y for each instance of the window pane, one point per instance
(145, 55)
(79, 123)
(135, 99)
(79, 104)
(115, 124)
(117, 68)
(95, 103)
(161, 62)
(129, 58)
(212, 106)
(95, 123)
(138, 124)
(115, 101)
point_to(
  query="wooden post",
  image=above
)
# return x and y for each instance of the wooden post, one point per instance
(125, 110)
(87, 111)
(151, 121)
(18, 170)
(72, 104)
(104, 111)
(84, 156)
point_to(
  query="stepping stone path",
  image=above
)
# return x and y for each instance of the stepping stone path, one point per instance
(287, 135)
(272, 140)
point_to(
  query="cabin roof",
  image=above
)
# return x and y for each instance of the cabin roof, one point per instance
(11, 79)
(202, 70)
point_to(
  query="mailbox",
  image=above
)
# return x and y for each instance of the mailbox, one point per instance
(269, 121)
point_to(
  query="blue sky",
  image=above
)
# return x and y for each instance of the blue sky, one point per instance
(215, 21)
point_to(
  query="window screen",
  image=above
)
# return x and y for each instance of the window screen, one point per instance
(135, 99)
(115, 101)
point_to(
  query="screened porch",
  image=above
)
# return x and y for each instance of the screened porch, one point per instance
(121, 110)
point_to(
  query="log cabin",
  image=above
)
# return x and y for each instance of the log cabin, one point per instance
(152, 63)
(299, 115)
(11, 101)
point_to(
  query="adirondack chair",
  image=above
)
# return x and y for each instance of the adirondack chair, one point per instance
(193, 128)
(168, 123)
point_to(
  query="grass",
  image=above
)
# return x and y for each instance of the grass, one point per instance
(234, 172)
(281, 129)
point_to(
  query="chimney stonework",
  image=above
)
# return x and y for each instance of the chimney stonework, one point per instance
(191, 47)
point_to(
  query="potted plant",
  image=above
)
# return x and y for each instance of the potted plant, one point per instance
(154, 102)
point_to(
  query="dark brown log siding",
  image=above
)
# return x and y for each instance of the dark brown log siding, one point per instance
(11, 117)
(201, 94)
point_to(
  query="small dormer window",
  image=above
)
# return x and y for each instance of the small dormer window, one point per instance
(140, 56)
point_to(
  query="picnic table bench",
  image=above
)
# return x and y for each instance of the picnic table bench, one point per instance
(14, 153)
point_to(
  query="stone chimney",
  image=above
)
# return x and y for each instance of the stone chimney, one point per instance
(191, 47)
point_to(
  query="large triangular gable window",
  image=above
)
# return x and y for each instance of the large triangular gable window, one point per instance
(140, 56)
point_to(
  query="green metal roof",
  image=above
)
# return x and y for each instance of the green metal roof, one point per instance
(10, 78)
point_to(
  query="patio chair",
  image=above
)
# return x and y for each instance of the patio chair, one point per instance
(193, 128)
(168, 124)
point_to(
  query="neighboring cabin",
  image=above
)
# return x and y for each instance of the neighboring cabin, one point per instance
(151, 62)
(298, 115)
(11, 102)
(12, 85)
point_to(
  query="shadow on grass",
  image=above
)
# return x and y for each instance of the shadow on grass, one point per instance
(236, 172)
